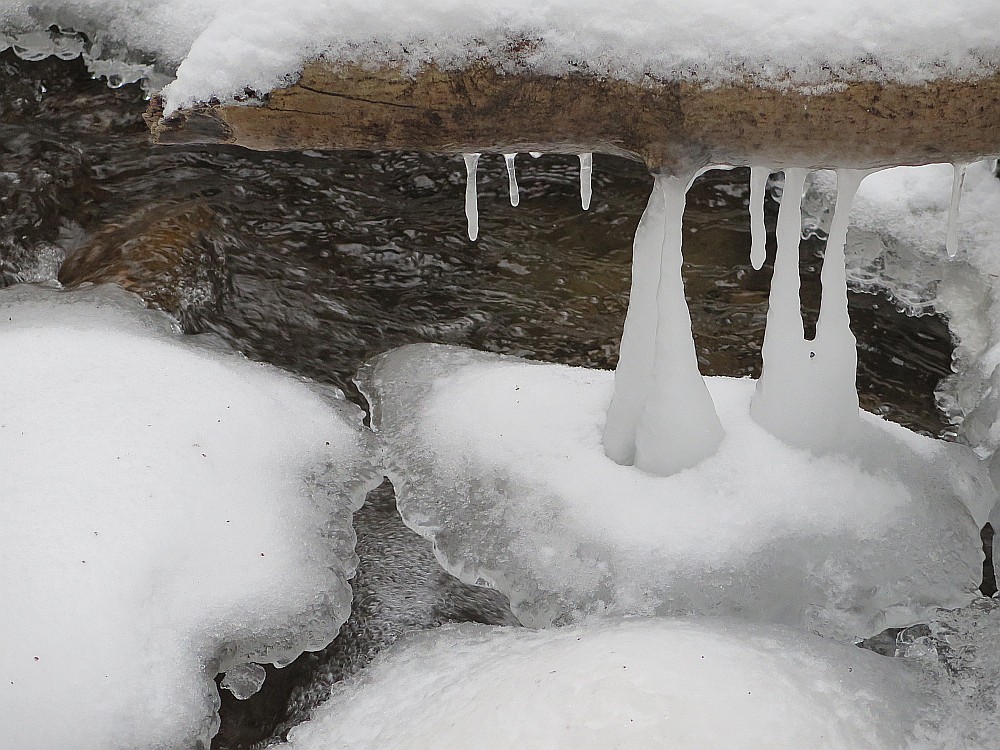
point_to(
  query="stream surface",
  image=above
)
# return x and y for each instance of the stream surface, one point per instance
(316, 262)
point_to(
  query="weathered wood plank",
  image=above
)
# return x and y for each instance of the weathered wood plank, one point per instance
(669, 124)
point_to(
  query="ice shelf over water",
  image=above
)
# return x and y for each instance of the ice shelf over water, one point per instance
(170, 510)
(499, 461)
(641, 683)
(219, 48)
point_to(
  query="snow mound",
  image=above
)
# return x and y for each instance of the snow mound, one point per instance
(644, 683)
(499, 462)
(221, 47)
(170, 510)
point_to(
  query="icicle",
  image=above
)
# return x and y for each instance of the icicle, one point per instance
(586, 172)
(535, 154)
(758, 233)
(807, 393)
(635, 359)
(471, 198)
(515, 196)
(678, 426)
(951, 239)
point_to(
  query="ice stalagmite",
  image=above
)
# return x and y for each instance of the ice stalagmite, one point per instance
(678, 426)
(635, 359)
(807, 394)
(515, 197)
(758, 232)
(586, 174)
(471, 198)
(951, 239)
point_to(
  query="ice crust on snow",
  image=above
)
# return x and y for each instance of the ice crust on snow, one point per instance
(170, 510)
(219, 48)
(897, 243)
(642, 683)
(499, 461)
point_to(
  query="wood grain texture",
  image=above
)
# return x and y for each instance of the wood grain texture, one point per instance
(671, 125)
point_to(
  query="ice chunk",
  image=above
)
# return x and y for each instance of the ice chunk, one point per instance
(499, 461)
(959, 654)
(244, 680)
(643, 683)
(170, 510)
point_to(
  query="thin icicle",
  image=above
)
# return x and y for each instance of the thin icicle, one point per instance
(515, 196)
(678, 426)
(535, 154)
(951, 239)
(586, 174)
(758, 233)
(471, 197)
(807, 393)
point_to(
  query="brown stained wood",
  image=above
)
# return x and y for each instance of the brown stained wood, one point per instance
(673, 125)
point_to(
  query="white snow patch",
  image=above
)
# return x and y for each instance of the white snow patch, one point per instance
(500, 462)
(224, 46)
(644, 683)
(170, 510)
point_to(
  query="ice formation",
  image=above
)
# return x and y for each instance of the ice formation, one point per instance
(500, 462)
(958, 179)
(642, 683)
(897, 243)
(806, 394)
(586, 179)
(677, 426)
(471, 196)
(220, 48)
(758, 232)
(515, 196)
(170, 511)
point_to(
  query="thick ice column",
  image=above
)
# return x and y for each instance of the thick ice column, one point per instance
(635, 359)
(678, 425)
(807, 393)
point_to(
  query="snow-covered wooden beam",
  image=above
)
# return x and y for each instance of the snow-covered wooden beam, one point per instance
(665, 124)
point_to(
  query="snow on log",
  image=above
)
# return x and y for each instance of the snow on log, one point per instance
(667, 124)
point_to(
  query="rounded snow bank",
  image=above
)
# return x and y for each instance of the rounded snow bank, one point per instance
(499, 462)
(170, 510)
(645, 683)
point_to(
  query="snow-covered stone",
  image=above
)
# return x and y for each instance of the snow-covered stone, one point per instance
(641, 683)
(169, 510)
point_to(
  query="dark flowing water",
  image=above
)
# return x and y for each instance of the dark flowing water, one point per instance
(316, 262)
